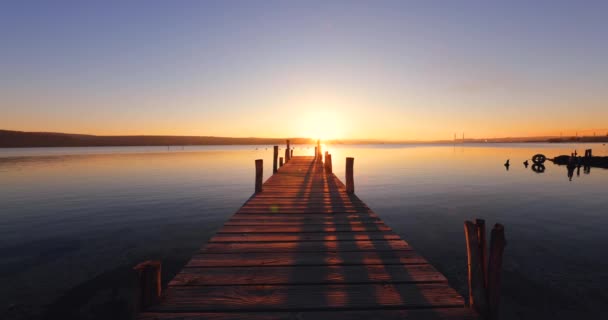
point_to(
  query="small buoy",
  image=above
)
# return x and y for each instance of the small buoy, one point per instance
(539, 158)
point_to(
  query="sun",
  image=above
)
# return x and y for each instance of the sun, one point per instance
(321, 124)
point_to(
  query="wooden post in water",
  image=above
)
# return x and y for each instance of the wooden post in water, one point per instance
(484, 279)
(329, 167)
(325, 160)
(477, 292)
(291, 154)
(280, 162)
(316, 154)
(287, 157)
(350, 183)
(259, 173)
(481, 236)
(149, 284)
(275, 155)
(497, 248)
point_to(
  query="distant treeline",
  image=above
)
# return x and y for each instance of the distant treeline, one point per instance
(19, 139)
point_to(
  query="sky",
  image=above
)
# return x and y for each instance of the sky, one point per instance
(394, 70)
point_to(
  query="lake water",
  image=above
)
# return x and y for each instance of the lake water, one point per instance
(73, 221)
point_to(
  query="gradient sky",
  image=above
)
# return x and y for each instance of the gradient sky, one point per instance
(336, 69)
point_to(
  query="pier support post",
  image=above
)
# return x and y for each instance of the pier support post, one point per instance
(497, 248)
(484, 277)
(259, 173)
(290, 154)
(275, 156)
(316, 153)
(350, 183)
(329, 166)
(149, 284)
(280, 162)
(287, 155)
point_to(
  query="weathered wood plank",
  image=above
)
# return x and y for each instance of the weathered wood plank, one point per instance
(394, 314)
(309, 246)
(303, 228)
(291, 237)
(304, 259)
(307, 275)
(309, 297)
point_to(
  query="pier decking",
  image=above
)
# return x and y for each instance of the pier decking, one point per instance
(304, 248)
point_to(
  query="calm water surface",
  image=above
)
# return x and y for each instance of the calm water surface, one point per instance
(74, 220)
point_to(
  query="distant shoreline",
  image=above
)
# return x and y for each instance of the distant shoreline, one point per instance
(21, 139)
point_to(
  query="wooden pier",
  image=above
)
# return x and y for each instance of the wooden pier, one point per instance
(302, 247)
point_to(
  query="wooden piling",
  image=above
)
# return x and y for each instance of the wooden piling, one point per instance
(316, 153)
(497, 247)
(350, 183)
(259, 173)
(280, 162)
(477, 292)
(329, 166)
(291, 154)
(149, 284)
(480, 225)
(287, 154)
(275, 156)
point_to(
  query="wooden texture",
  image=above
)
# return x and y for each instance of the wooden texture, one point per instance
(304, 248)
(497, 247)
(148, 284)
(259, 174)
(477, 291)
(275, 156)
(350, 180)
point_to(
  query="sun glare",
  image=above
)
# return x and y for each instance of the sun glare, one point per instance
(322, 124)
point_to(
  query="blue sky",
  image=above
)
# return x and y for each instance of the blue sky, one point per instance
(371, 69)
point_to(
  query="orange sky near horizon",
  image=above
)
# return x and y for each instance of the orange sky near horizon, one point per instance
(333, 70)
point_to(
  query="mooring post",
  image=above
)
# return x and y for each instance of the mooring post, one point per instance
(291, 154)
(149, 284)
(497, 247)
(316, 154)
(350, 183)
(275, 155)
(280, 162)
(480, 224)
(287, 157)
(259, 173)
(477, 292)
(329, 167)
(325, 160)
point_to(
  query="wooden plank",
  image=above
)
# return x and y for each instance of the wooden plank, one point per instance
(291, 237)
(308, 275)
(394, 314)
(309, 246)
(260, 222)
(308, 297)
(304, 228)
(304, 259)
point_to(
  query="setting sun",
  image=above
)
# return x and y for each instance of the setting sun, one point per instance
(321, 124)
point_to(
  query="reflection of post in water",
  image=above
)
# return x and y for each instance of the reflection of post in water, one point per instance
(587, 169)
(526, 163)
(571, 166)
(507, 164)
